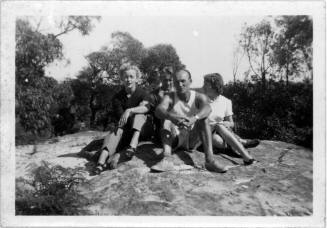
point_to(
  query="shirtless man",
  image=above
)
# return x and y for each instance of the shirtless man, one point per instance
(185, 114)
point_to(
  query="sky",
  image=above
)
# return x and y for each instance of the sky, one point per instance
(205, 44)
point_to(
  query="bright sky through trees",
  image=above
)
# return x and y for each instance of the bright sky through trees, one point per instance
(205, 44)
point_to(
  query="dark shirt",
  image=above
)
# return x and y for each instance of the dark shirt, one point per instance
(120, 101)
(154, 99)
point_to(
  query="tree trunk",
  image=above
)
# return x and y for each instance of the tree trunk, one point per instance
(92, 118)
(263, 80)
(93, 110)
(287, 73)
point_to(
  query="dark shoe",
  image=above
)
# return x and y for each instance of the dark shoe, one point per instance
(250, 162)
(215, 167)
(100, 168)
(251, 143)
(130, 152)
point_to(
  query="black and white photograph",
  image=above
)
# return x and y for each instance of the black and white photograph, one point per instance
(163, 114)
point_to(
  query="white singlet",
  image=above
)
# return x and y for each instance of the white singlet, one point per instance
(187, 109)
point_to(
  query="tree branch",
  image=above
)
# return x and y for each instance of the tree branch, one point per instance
(249, 58)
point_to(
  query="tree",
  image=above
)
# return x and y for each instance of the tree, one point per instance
(123, 48)
(160, 56)
(293, 47)
(34, 51)
(35, 105)
(238, 55)
(84, 24)
(35, 97)
(256, 42)
(127, 48)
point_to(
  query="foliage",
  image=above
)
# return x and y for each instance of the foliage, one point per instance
(38, 96)
(128, 48)
(84, 24)
(34, 105)
(293, 47)
(63, 94)
(34, 51)
(279, 113)
(279, 48)
(160, 56)
(256, 42)
(51, 190)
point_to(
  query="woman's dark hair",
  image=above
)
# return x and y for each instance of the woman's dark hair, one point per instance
(216, 81)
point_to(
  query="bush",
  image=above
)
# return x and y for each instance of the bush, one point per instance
(52, 190)
(279, 113)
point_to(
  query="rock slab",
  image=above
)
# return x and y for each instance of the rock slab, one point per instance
(280, 184)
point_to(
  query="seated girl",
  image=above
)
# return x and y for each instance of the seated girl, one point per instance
(221, 119)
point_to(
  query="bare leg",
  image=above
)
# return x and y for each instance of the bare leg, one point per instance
(167, 138)
(217, 141)
(231, 140)
(206, 138)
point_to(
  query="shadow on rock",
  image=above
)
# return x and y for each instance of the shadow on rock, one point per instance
(148, 154)
(185, 157)
(227, 151)
(70, 155)
(92, 150)
(89, 167)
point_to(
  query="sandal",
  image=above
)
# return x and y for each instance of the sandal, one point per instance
(130, 152)
(99, 169)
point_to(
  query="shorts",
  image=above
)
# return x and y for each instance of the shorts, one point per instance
(185, 138)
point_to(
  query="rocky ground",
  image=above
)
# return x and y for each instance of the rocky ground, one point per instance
(280, 184)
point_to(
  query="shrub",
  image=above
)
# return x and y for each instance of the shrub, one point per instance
(52, 190)
(279, 113)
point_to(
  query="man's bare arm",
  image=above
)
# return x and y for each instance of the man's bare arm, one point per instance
(162, 109)
(141, 109)
(201, 101)
(162, 112)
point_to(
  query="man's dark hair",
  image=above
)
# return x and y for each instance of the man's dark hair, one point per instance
(168, 70)
(154, 75)
(216, 81)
